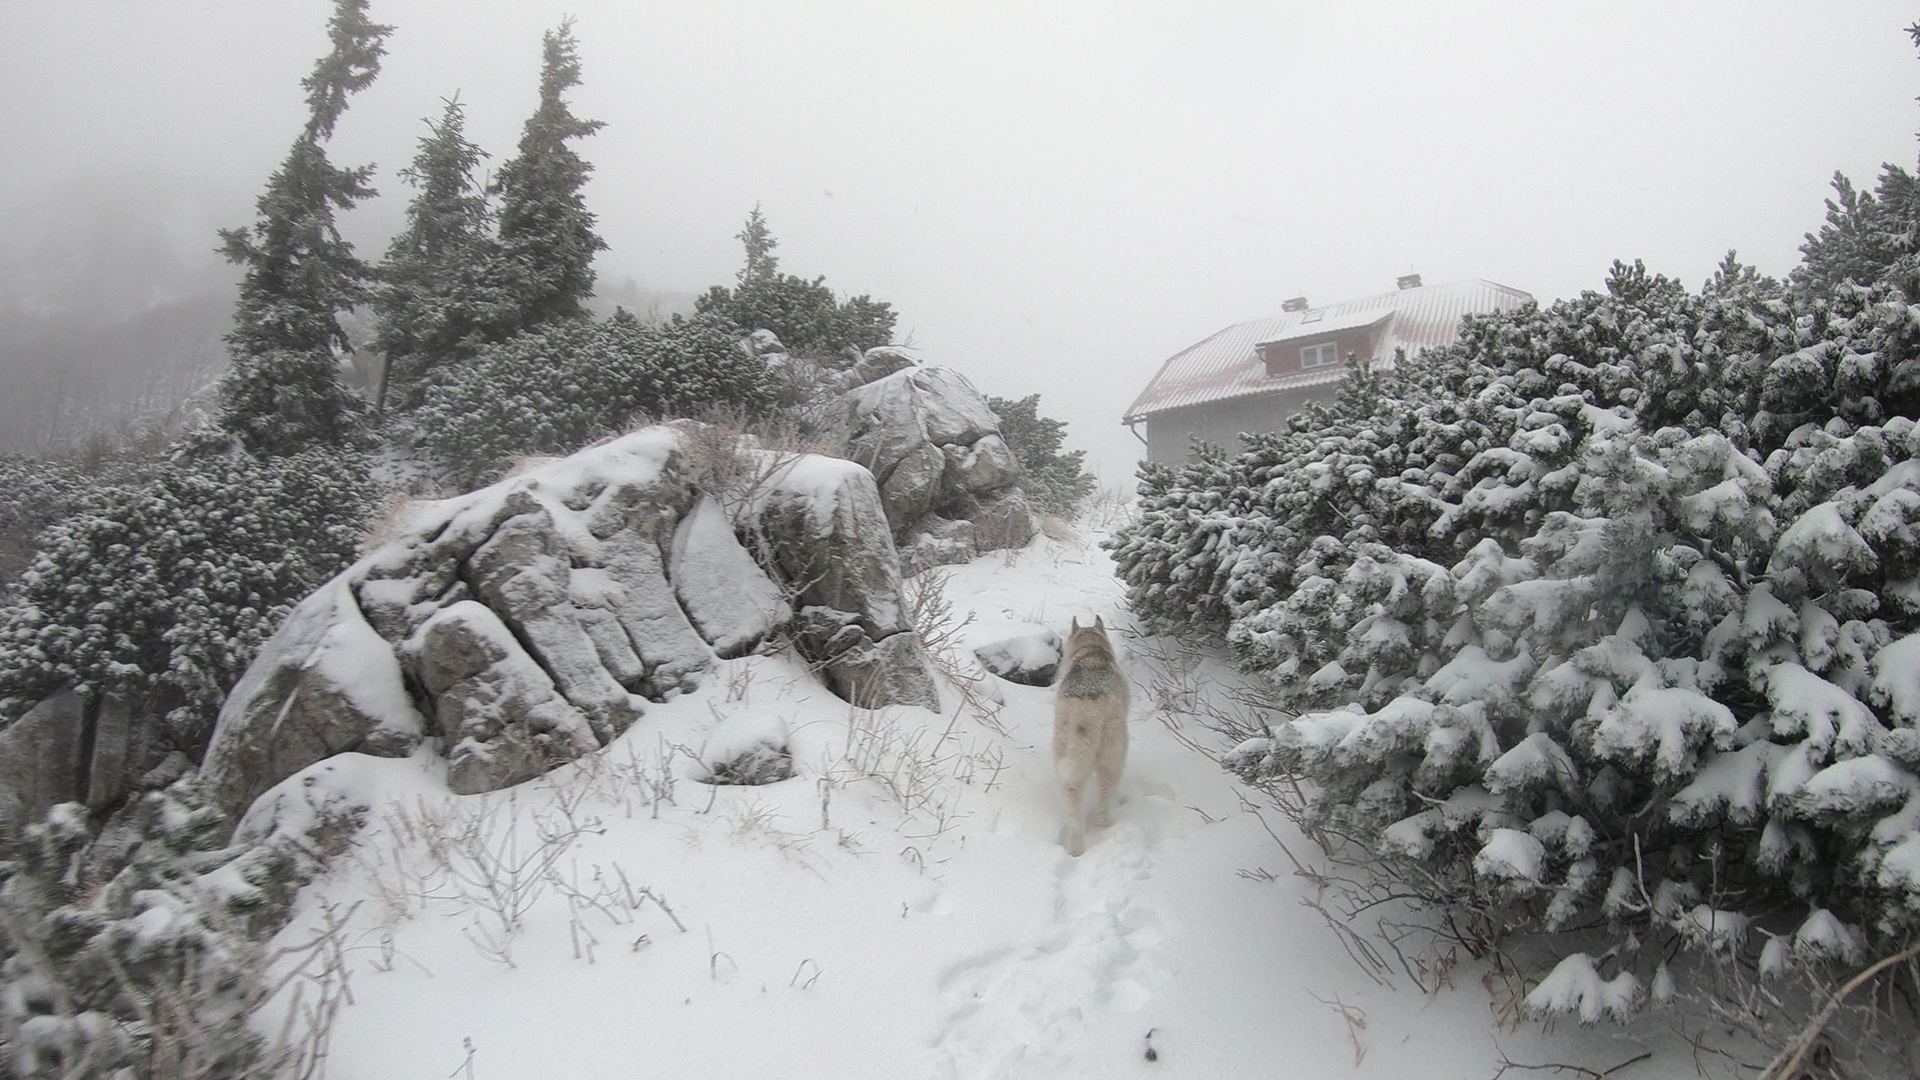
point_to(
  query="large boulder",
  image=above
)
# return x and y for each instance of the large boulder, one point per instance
(325, 684)
(822, 529)
(528, 623)
(935, 446)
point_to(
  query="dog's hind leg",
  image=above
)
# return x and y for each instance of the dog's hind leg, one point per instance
(1111, 761)
(1073, 782)
(1076, 833)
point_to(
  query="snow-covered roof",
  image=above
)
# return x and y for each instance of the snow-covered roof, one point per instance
(1228, 364)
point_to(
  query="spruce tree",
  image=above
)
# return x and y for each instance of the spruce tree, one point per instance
(440, 295)
(761, 263)
(803, 314)
(283, 391)
(546, 231)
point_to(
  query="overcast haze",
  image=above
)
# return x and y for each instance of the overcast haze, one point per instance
(1055, 197)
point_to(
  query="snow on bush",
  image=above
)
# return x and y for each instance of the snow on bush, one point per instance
(558, 388)
(164, 590)
(1625, 590)
(1575, 986)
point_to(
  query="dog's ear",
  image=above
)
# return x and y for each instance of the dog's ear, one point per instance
(1100, 623)
(1076, 625)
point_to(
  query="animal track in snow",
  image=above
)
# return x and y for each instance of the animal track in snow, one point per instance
(1014, 1011)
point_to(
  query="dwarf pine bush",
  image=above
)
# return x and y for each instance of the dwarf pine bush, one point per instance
(165, 589)
(558, 388)
(1607, 614)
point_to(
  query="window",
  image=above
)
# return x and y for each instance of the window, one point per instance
(1321, 355)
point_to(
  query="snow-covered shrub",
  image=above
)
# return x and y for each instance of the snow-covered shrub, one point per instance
(1609, 611)
(1056, 481)
(153, 971)
(34, 493)
(562, 386)
(804, 315)
(166, 589)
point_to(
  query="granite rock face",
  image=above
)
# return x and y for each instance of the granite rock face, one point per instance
(528, 623)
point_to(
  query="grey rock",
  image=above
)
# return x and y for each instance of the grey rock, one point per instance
(760, 764)
(497, 709)
(729, 599)
(524, 624)
(524, 573)
(987, 465)
(43, 759)
(870, 673)
(325, 683)
(925, 551)
(955, 412)
(935, 445)
(878, 363)
(909, 490)
(822, 529)
(944, 542)
(1031, 659)
(118, 751)
(1004, 520)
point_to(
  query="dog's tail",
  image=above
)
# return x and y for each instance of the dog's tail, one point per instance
(1071, 769)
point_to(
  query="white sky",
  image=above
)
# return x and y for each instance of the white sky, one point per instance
(1055, 196)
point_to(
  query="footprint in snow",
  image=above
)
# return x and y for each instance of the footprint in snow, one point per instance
(1018, 1010)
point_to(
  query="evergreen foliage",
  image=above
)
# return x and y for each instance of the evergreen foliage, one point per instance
(34, 493)
(803, 314)
(546, 232)
(1056, 482)
(283, 391)
(166, 590)
(1608, 614)
(1609, 611)
(441, 293)
(153, 972)
(559, 388)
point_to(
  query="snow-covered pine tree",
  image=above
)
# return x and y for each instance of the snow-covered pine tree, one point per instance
(164, 590)
(1056, 481)
(802, 314)
(440, 293)
(283, 391)
(546, 231)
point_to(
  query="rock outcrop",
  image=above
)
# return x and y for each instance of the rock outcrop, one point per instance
(74, 748)
(530, 622)
(821, 530)
(934, 445)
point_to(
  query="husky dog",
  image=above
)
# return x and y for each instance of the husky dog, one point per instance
(1089, 726)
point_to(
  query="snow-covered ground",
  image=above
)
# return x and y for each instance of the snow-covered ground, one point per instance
(901, 907)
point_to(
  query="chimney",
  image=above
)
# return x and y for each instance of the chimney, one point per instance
(1408, 281)
(1298, 303)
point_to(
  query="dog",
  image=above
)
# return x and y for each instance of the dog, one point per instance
(1089, 726)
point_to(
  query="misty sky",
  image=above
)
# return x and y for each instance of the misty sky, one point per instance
(1055, 196)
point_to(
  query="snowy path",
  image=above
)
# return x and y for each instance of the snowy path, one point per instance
(923, 922)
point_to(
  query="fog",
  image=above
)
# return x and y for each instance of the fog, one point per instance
(1054, 196)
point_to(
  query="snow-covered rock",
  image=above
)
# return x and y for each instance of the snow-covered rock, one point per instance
(1029, 659)
(935, 445)
(822, 530)
(530, 622)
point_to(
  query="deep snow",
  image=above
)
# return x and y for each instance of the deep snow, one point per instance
(900, 908)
